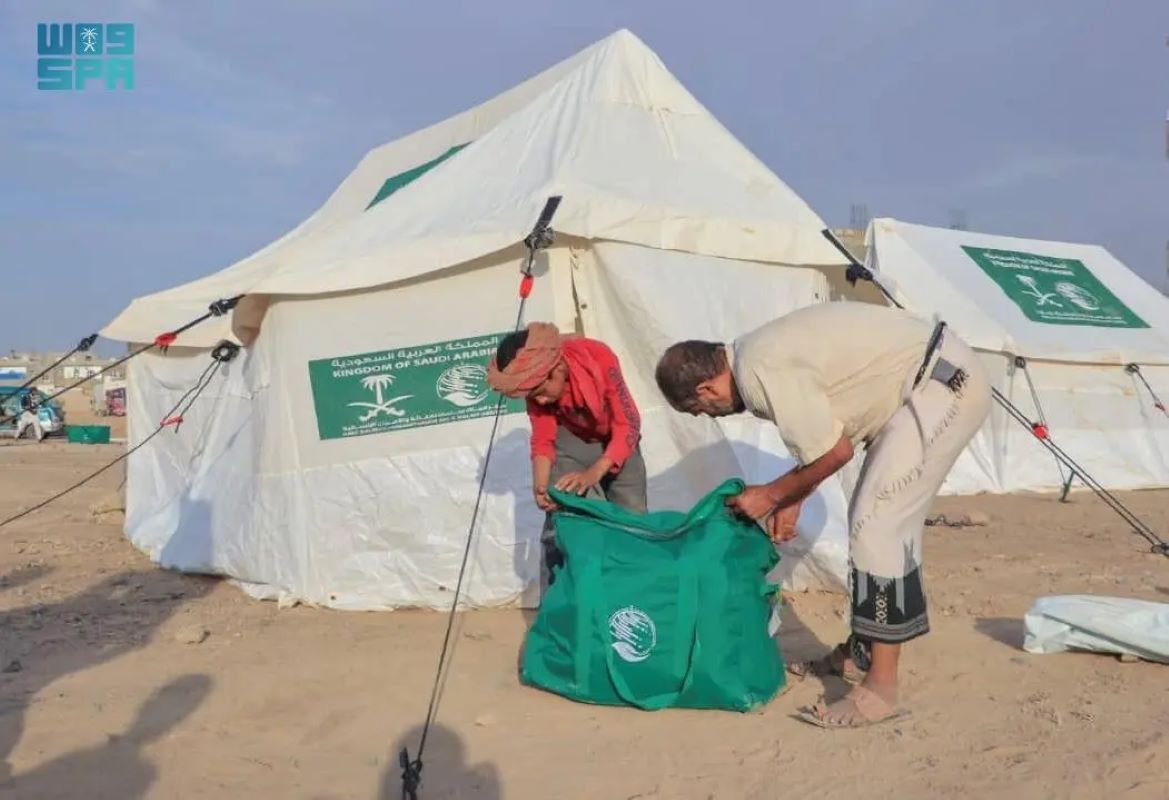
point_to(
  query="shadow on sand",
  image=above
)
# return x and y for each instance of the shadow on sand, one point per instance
(1004, 630)
(445, 771)
(118, 768)
(45, 642)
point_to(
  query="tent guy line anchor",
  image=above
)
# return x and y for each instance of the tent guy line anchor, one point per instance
(858, 271)
(540, 238)
(1135, 369)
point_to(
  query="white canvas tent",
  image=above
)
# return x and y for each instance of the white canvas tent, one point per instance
(336, 461)
(1077, 316)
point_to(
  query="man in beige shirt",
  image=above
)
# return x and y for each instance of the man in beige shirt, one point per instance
(835, 377)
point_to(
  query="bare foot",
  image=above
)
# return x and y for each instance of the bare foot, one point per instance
(886, 690)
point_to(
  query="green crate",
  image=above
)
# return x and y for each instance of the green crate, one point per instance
(88, 434)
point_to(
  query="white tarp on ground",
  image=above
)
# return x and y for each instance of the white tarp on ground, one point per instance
(1102, 624)
(337, 460)
(1078, 316)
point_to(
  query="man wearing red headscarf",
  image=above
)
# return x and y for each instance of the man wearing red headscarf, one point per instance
(586, 430)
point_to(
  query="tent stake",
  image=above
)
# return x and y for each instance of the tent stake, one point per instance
(1067, 485)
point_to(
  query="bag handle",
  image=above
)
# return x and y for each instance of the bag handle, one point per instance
(686, 653)
(652, 525)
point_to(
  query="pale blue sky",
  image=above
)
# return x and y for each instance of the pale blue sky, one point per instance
(1041, 118)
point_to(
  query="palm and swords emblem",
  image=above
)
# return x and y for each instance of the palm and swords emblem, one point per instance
(1041, 298)
(378, 384)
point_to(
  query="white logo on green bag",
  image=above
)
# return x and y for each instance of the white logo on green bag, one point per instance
(634, 633)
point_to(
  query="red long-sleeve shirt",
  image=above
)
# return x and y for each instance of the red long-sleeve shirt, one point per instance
(619, 423)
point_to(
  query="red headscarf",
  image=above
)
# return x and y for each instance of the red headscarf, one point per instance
(545, 348)
(531, 365)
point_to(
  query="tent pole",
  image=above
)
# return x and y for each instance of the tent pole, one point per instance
(1021, 363)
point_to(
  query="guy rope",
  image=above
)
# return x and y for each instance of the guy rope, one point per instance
(162, 342)
(223, 353)
(540, 238)
(1135, 369)
(81, 347)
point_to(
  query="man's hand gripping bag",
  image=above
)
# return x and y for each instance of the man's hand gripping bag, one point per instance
(657, 610)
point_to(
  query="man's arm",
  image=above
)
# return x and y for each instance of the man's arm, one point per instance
(541, 473)
(795, 399)
(544, 429)
(791, 488)
(795, 486)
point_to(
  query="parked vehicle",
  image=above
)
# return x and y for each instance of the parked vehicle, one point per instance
(51, 415)
(108, 397)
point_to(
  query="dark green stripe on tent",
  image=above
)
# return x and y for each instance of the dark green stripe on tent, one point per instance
(402, 179)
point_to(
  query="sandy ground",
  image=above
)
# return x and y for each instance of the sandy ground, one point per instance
(102, 696)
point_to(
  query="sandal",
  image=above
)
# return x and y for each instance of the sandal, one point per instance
(866, 708)
(835, 664)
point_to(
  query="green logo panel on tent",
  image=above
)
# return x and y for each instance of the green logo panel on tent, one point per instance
(410, 387)
(404, 179)
(1056, 291)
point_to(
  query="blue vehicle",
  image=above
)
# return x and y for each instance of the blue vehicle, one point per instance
(51, 415)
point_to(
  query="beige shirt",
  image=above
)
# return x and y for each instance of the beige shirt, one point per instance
(829, 370)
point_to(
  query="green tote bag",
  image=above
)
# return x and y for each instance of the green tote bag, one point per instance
(656, 610)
